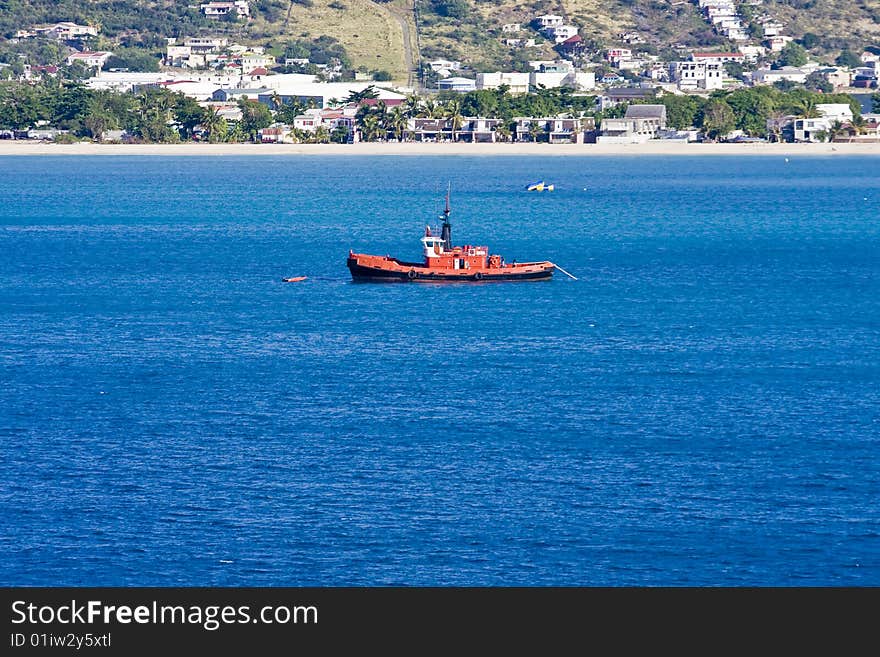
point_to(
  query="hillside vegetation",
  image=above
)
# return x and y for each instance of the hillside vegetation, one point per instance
(382, 35)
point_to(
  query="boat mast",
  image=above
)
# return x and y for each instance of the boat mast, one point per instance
(446, 231)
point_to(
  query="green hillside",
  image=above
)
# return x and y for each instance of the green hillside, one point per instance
(382, 35)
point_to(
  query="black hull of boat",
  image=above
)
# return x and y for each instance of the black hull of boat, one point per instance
(361, 274)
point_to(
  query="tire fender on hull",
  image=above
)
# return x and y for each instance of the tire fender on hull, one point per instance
(411, 274)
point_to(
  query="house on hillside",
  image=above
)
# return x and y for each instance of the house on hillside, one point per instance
(64, 31)
(697, 75)
(549, 20)
(573, 47)
(561, 33)
(90, 58)
(771, 75)
(220, 9)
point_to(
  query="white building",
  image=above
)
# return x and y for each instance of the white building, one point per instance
(251, 61)
(752, 53)
(560, 33)
(580, 80)
(718, 57)
(772, 28)
(219, 9)
(518, 82)
(123, 81)
(835, 111)
(519, 43)
(90, 58)
(461, 85)
(777, 43)
(769, 75)
(444, 64)
(614, 55)
(509, 28)
(697, 75)
(549, 20)
(641, 123)
(65, 31)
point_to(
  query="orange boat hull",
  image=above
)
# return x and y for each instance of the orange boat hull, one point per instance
(372, 268)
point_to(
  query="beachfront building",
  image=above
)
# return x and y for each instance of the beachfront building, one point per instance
(277, 133)
(430, 130)
(553, 130)
(640, 124)
(819, 129)
(478, 130)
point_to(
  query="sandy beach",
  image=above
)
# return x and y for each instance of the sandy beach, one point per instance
(661, 148)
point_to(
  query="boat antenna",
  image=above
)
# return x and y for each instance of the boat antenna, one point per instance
(446, 231)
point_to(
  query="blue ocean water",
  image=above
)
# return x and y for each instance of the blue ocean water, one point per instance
(701, 407)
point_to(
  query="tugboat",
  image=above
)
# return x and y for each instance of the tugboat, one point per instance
(444, 262)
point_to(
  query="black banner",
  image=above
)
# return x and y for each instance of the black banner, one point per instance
(328, 620)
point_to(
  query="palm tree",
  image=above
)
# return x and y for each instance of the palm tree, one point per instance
(396, 121)
(364, 94)
(370, 127)
(806, 108)
(322, 135)
(502, 132)
(453, 112)
(215, 125)
(411, 106)
(859, 124)
(430, 109)
(276, 101)
(534, 131)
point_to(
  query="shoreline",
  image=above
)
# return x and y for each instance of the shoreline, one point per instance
(419, 148)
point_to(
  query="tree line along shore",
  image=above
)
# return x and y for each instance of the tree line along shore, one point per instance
(158, 115)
